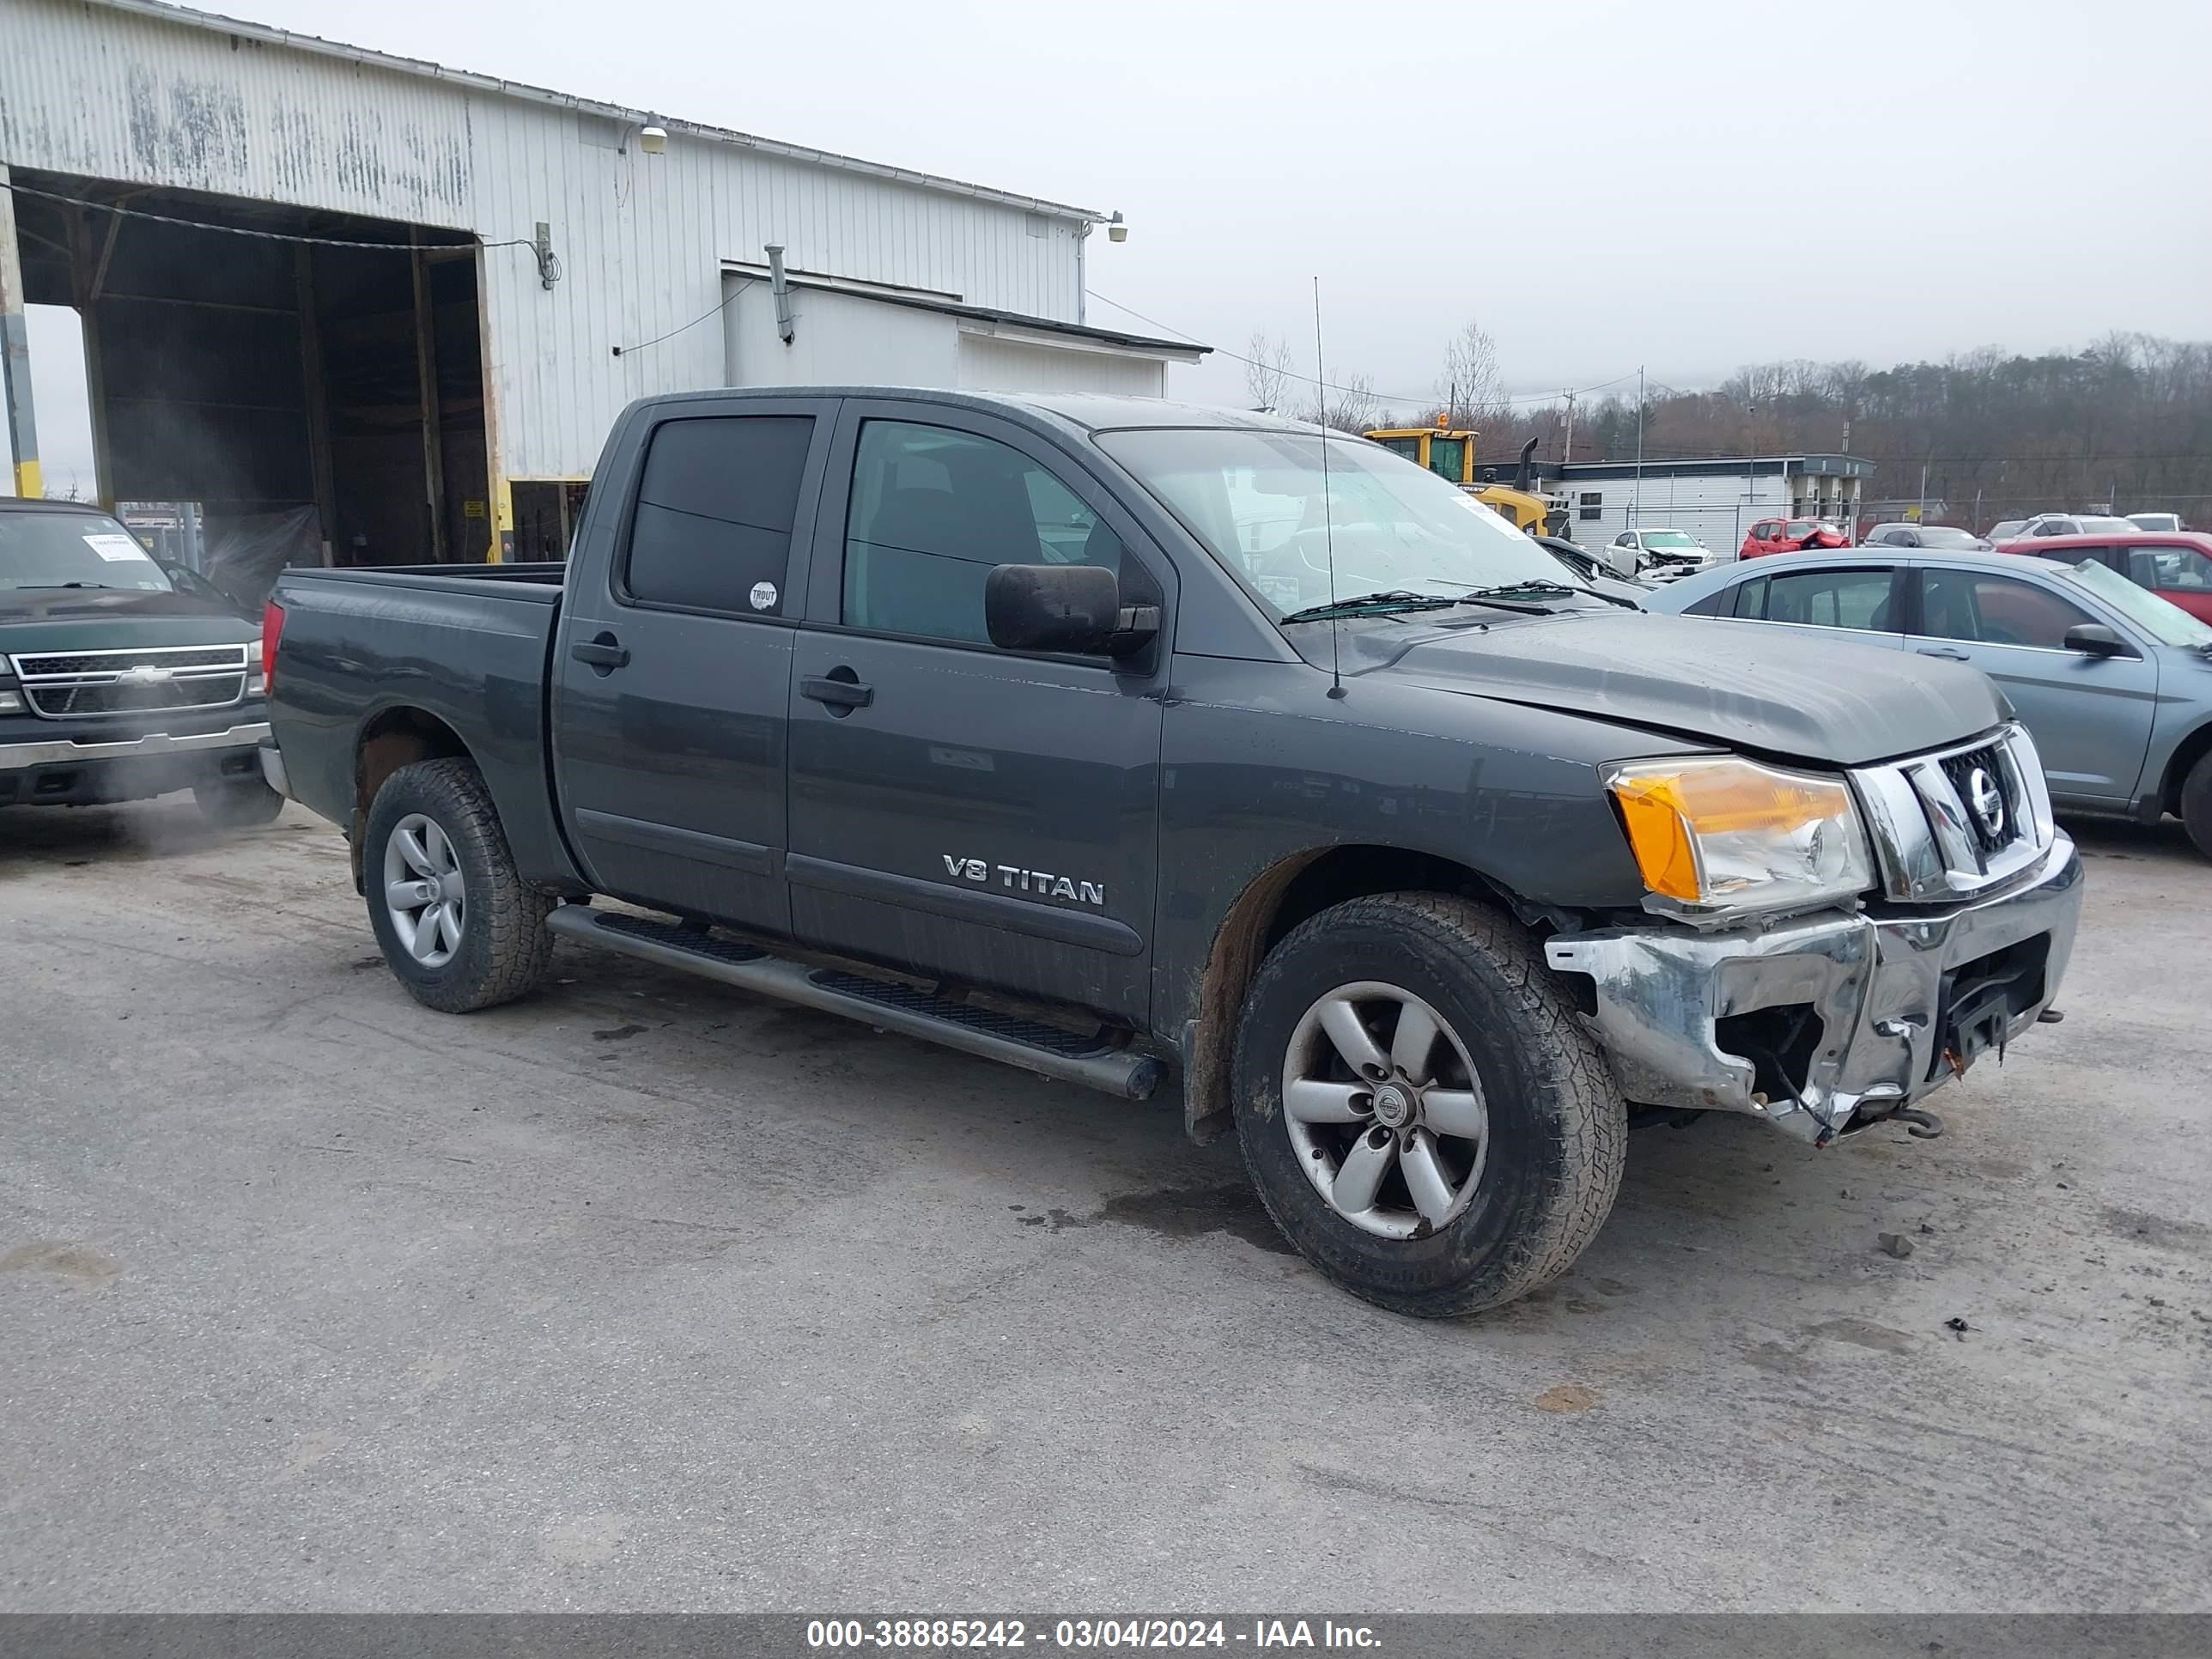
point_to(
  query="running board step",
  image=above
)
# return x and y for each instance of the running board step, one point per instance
(1035, 1046)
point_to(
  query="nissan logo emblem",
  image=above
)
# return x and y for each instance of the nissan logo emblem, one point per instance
(1987, 801)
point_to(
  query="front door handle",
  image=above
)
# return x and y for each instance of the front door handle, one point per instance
(1945, 652)
(605, 653)
(839, 689)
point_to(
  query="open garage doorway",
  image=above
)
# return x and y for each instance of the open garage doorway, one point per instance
(315, 388)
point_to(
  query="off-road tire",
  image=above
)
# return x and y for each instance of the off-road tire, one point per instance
(238, 804)
(2197, 804)
(505, 946)
(1558, 1131)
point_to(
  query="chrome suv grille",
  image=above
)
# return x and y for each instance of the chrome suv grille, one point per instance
(1960, 821)
(154, 679)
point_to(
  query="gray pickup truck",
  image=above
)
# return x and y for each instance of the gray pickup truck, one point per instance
(1132, 743)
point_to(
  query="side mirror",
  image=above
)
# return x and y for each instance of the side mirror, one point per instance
(1072, 608)
(2094, 640)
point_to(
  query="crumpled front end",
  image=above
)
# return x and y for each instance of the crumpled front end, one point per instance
(1825, 1022)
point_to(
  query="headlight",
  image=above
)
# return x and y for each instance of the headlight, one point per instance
(1725, 836)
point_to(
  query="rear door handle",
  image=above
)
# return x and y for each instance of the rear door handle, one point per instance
(1945, 652)
(837, 693)
(603, 653)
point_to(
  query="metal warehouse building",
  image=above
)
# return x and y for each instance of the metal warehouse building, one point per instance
(457, 282)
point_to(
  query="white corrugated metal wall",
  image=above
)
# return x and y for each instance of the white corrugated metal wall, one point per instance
(131, 93)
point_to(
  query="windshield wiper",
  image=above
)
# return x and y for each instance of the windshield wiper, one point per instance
(45, 587)
(1375, 605)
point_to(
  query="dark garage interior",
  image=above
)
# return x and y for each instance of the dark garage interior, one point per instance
(316, 389)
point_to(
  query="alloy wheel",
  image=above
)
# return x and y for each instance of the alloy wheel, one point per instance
(1385, 1110)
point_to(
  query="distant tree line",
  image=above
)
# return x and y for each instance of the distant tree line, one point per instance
(2125, 425)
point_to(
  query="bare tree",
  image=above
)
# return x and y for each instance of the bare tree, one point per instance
(1474, 393)
(1266, 371)
(1349, 405)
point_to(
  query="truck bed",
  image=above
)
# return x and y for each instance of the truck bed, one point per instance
(466, 646)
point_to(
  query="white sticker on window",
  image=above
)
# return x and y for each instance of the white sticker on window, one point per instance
(116, 548)
(763, 596)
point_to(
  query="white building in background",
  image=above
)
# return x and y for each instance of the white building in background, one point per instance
(1716, 501)
(459, 280)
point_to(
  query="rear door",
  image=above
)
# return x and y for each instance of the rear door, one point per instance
(1856, 602)
(971, 815)
(2090, 715)
(673, 669)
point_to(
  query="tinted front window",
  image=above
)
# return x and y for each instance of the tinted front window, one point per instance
(714, 508)
(74, 549)
(1828, 599)
(934, 511)
(1983, 609)
(2167, 623)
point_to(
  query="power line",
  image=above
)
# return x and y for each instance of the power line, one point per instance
(1330, 386)
(547, 263)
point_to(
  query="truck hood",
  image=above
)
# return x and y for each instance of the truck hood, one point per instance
(117, 619)
(1805, 697)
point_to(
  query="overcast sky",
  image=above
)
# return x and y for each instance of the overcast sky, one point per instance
(1688, 185)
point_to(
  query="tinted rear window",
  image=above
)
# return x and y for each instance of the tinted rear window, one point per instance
(714, 512)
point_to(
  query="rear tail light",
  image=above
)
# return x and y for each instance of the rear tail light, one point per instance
(272, 630)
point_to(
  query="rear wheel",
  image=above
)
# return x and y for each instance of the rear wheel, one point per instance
(458, 926)
(2197, 804)
(1424, 1117)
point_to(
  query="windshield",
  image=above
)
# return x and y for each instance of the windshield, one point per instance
(74, 549)
(1943, 535)
(2169, 624)
(2167, 521)
(1256, 500)
(1799, 527)
(1668, 538)
(2101, 526)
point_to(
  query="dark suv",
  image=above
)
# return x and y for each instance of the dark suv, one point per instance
(114, 685)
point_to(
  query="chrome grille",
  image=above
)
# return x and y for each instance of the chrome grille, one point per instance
(1978, 777)
(110, 662)
(148, 679)
(1960, 821)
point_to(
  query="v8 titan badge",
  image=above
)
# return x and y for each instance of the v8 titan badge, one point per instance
(763, 596)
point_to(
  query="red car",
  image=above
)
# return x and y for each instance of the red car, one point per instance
(2176, 567)
(1790, 536)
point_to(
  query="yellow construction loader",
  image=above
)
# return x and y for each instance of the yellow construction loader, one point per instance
(1449, 451)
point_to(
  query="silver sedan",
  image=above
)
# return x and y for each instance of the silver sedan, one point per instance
(2114, 682)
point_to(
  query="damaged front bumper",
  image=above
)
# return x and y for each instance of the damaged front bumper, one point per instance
(1825, 1022)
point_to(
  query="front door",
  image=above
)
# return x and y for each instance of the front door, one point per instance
(2090, 715)
(966, 814)
(673, 667)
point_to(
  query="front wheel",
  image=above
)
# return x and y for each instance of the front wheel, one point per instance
(2197, 804)
(457, 925)
(1422, 1114)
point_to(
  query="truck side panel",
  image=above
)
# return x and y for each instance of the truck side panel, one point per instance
(1259, 768)
(471, 653)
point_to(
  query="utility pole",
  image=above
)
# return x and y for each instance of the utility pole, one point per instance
(1636, 495)
(1570, 445)
(1751, 483)
(1920, 512)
